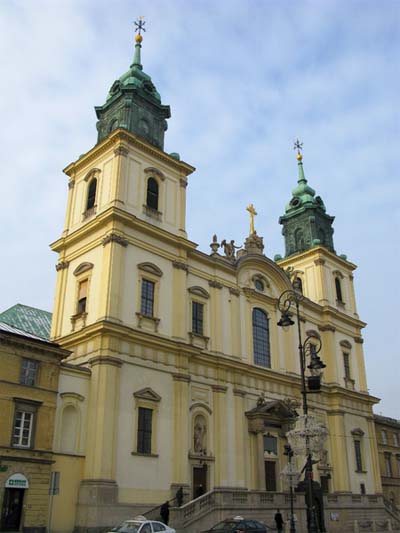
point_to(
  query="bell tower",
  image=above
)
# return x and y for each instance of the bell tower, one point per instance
(305, 222)
(133, 103)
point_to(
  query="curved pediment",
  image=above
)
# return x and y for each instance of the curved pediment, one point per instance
(199, 291)
(151, 268)
(249, 267)
(345, 344)
(83, 267)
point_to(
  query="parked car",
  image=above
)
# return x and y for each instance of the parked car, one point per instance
(141, 525)
(238, 524)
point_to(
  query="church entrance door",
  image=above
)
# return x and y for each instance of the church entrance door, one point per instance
(199, 480)
(270, 476)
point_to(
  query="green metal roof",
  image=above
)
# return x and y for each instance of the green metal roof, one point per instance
(28, 319)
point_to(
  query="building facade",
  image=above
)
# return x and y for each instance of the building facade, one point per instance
(388, 438)
(179, 375)
(29, 374)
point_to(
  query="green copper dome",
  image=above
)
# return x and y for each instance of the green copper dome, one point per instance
(134, 103)
(305, 222)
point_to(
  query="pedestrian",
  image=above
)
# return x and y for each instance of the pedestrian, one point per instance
(179, 496)
(279, 521)
(164, 512)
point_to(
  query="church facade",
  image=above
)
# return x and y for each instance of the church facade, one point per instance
(179, 375)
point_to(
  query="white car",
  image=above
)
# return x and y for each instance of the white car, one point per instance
(141, 525)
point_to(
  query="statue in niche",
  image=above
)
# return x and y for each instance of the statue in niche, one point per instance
(323, 457)
(200, 435)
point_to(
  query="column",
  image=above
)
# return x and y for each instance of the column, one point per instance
(220, 437)
(68, 211)
(339, 449)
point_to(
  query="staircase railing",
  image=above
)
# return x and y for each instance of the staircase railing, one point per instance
(154, 512)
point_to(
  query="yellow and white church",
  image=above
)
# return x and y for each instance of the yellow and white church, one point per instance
(179, 375)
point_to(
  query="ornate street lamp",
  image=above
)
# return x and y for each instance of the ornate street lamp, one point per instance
(308, 436)
(291, 475)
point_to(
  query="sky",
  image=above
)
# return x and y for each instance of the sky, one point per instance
(244, 78)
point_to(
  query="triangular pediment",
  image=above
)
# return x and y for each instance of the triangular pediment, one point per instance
(147, 394)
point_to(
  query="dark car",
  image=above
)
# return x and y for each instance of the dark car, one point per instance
(239, 525)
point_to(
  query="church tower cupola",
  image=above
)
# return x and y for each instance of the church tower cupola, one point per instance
(133, 103)
(305, 222)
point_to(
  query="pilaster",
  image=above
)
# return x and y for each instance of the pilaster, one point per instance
(235, 322)
(321, 282)
(181, 475)
(58, 311)
(337, 434)
(119, 176)
(102, 418)
(180, 324)
(374, 454)
(240, 434)
(328, 337)
(112, 277)
(216, 316)
(220, 437)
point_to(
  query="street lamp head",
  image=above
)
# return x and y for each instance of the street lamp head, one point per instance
(316, 365)
(285, 320)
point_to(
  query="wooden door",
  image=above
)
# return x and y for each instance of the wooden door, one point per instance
(199, 480)
(270, 476)
(12, 509)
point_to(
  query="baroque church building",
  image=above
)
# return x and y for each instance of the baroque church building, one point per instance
(179, 375)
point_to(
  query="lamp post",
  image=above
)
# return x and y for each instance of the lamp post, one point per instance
(292, 475)
(308, 436)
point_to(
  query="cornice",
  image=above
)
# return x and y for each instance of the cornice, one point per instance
(118, 138)
(180, 265)
(105, 360)
(319, 252)
(181, 377)
(33, 345)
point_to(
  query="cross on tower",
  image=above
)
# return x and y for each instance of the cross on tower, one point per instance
(140, 25)
(298, 146)
(252, 212)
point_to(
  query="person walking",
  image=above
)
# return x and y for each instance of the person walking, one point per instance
(279, 521)
(164, 512)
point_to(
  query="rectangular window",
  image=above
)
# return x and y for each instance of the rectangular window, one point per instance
(395, 439)
(147, 298)
(362, 488)
(23, 427)
(398, 465)
(270, 476)
(357, 449)
(197, 318)
(82, 296)
(388, 464)
(270, 444)
(384, 437)
(145, 418)
(29, 370)
(346, 364)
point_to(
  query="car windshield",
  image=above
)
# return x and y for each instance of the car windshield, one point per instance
(226, 525)
(128, 527)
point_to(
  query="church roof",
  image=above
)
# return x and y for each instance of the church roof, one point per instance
(28, 320)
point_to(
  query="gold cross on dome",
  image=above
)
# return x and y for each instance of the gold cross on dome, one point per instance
(252, 212)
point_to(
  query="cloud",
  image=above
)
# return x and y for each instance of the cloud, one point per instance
(243, 79)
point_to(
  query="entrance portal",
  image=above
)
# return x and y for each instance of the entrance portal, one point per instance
(199, 480)
(12, 509)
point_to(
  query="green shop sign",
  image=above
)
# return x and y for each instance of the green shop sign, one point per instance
(17, 481)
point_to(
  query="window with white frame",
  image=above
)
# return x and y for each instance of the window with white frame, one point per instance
(24, 424)
(29, 372)
(384, 437)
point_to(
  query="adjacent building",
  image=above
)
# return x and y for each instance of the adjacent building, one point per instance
(29, 373)
(388, 438)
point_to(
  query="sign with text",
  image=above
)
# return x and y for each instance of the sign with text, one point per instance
(17, 481)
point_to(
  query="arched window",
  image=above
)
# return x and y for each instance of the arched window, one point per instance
(152, 194)
(338, 287)
(261, 348)
(69, 429)
(91, 197)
